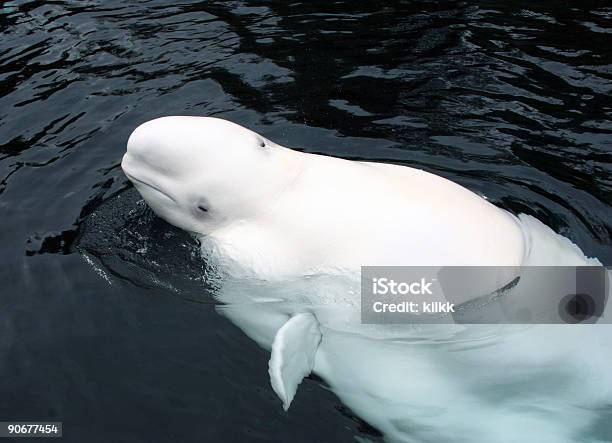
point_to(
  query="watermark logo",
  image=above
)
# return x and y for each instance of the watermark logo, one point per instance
(383, 286)
(485, 295)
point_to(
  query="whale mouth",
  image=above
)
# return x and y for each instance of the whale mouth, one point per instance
(149, 185)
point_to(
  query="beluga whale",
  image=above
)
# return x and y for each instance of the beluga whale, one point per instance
(282, 212)
(291, 230)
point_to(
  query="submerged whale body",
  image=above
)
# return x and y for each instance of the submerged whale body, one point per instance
(289, 232)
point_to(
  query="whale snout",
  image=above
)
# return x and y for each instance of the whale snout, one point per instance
(128, 166)
(152, 162)
(160, 147)
(147, 141)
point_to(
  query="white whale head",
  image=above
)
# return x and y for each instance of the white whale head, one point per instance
(200, 173)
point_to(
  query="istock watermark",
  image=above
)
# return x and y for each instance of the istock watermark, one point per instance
(485, 294)
(383, 286)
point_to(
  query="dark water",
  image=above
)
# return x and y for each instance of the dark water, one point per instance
(105, 320)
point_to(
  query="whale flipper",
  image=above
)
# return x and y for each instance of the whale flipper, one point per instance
(293, 355)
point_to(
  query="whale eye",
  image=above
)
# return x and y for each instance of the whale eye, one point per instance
(262, 144)
(201, 207)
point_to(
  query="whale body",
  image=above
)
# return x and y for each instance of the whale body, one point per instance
(289, 232)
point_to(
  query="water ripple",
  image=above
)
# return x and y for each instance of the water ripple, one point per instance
(512, 101)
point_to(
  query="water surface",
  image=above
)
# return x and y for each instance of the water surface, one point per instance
(105, 320)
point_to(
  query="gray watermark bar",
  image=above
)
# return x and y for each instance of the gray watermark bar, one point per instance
(485, 294)
(31, 429)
